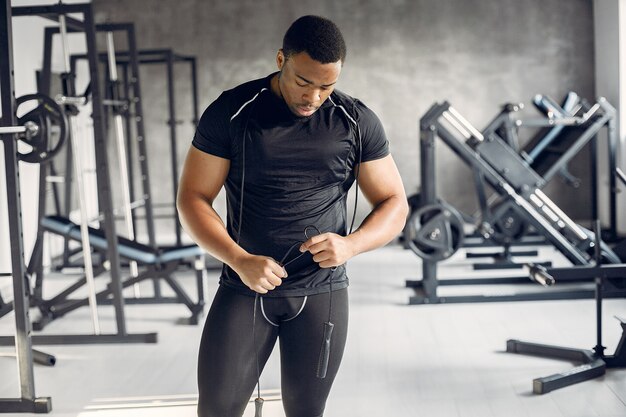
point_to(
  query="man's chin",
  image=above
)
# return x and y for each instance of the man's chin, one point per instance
(303, 111)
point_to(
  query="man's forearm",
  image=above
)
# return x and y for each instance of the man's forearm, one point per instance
(381, 226)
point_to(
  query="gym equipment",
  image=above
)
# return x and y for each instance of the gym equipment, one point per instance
(86, 26)
(82, 199)
(28, 402)
(35, 129)
(156, 268)
(39, 125)
(568, 129)
(121, 154)
(169, 58)
(593, 362)
(513, 180)
(158, 263)
(435, 231)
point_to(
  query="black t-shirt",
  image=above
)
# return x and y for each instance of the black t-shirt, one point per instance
(297, 173)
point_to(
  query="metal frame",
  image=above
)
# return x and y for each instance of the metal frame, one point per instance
(60, 305)
(28, 401)
(129, 61)
(509, 175)
(87, 26)
(588, 136)
(593, 363)
(169, 58)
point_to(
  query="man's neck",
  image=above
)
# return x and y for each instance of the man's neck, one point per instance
(275, 85)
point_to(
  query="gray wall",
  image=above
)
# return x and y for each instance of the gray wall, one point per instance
(403, 55)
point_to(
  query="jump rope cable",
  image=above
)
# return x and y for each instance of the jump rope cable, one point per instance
(258, 401)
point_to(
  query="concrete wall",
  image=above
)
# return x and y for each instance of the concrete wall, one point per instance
(402, 56)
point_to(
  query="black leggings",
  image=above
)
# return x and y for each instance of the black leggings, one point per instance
(227, 372)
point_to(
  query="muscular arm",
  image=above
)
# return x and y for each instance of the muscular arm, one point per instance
(202, 179)
(381, 184)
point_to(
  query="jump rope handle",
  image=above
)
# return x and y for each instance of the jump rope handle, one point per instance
(258, 407)
(322, 365)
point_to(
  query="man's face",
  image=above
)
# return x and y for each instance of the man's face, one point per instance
(306, 83)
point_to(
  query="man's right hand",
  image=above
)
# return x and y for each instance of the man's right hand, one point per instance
(260, 273)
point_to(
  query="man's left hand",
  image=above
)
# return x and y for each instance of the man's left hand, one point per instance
(329, 249)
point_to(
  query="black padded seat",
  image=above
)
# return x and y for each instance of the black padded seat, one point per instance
(128, 249)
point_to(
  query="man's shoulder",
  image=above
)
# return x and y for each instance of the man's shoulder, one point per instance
(247, 90)
(355, 107)
(232, 101)
(338, 97)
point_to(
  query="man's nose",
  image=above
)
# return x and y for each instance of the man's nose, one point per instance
(312, 96)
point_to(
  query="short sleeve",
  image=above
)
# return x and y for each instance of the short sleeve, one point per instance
(213, 130)
(373, 138)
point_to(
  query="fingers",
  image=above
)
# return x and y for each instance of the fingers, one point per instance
(327, 249)
(324, 243)
(272, 277)
(306, 246)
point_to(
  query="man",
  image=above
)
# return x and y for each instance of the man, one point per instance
(287, 148)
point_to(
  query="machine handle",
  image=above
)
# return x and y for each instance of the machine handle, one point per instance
(540, 275)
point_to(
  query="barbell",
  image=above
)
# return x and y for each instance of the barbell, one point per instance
(44, 129)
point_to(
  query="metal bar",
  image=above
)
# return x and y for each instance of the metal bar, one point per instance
(428, 195)
(52, 12)
(144, 56)
(46, 72)
(549, 351)
(562, 216)
(80, 185)
(79, 339)
(467, 125)
(580, 294)
(457, 125)
(620, 174)
(77, 101)
(102, 169)
(173, 148)
(122, 155)
(612, 149)
(605, 271)
(591, 367)
(573, 150)
(21, 289)
(128, 114)
(11, 130)
(36, 257)
(194, 91)
(142, 151)
(573, 376)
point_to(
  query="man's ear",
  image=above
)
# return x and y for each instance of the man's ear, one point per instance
(280, 59)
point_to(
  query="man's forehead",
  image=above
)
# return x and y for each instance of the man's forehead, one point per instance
(314, 72)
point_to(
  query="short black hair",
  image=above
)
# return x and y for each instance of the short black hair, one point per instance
(318, 37)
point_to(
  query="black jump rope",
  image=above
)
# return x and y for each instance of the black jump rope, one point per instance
(322, 365)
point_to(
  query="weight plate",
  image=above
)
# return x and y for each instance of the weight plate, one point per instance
(52, 128)
(435, 232)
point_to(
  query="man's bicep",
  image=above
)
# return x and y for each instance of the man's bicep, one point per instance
(203, 174)
(379, 180)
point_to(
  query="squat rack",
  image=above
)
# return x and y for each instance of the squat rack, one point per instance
(87, 26)
(169, 58)
(160, 262)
